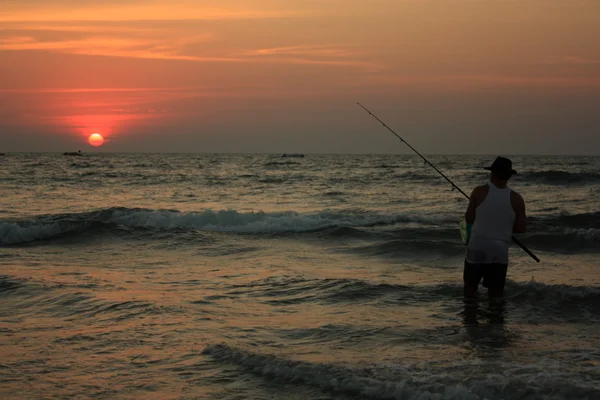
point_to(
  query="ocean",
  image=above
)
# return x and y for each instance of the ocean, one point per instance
(216, 276)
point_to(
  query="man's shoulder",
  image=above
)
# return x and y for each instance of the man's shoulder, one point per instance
(516, 195)
(481, 189)
(479, 194)
(517, 201)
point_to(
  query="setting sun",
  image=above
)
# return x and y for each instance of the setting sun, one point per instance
(96, 139)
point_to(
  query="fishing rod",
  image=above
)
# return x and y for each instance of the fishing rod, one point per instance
(521, 245)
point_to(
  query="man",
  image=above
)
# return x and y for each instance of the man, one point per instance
(494, 213)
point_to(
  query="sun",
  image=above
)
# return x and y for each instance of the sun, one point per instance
(96, 139)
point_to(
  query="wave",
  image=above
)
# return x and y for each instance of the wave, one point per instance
(564, 295)
(582, 220)
(566, 241)
(277, 163)
(549, 177)
(385, 235)
(559, 177)
(72, 301)
(82, 165)
(386, 166)
(48, 227)
(292, 290)
(591, 234)
(565, 233)
(346, 232)
(12, 233)
(434, 242)
(416, 247)
(333, 193)
(429, 177)
(296, 290)
(9, 285)
(423, 381)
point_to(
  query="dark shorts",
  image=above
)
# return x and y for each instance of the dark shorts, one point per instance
(494, 275)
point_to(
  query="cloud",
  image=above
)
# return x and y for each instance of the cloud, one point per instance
(16, 41)
(349, 63)
(141, 11)
(161, 30)
(78, 27)
(312, 55)
(312, 50)
(170, 46)
(113, 46)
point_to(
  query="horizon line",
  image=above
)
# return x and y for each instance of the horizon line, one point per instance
(308, 153)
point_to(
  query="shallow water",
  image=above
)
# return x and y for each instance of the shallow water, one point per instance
(255, 276)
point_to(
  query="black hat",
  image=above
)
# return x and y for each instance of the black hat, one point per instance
(502, 165)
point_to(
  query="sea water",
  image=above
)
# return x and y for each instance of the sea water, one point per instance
(216, 276)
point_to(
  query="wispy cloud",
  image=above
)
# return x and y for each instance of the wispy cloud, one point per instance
(114, 46)
(145, 29)
(169, 46)
(312, 55)
(16, 41)
(79, 27)
(349, 63)
(142, 11)
(311, 50)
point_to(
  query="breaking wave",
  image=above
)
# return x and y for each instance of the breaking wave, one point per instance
(383, 235)
(47, 227)
(397, 381)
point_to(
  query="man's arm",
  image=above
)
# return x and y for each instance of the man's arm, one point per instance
(470, 213)
(518, 205)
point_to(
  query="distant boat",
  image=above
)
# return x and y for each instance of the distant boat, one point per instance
(79, 153)
(293, 155)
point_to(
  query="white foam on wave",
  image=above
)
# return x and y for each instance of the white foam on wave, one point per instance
(12, 232)
(256, 222)
(591, 234)
(416, 382)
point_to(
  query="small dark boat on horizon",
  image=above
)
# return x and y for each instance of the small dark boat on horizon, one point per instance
(293, 155)
(79, 153)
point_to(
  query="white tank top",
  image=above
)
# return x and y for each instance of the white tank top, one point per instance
(492, 229)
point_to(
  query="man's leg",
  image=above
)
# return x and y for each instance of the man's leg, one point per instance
(497, 311)
(470, 290)
(471, 278)
(470, 311)
(495, 280)
(495, 292)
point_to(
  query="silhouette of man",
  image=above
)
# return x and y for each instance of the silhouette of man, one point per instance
(493, 214)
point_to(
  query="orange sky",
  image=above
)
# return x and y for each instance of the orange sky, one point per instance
(284, 76)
